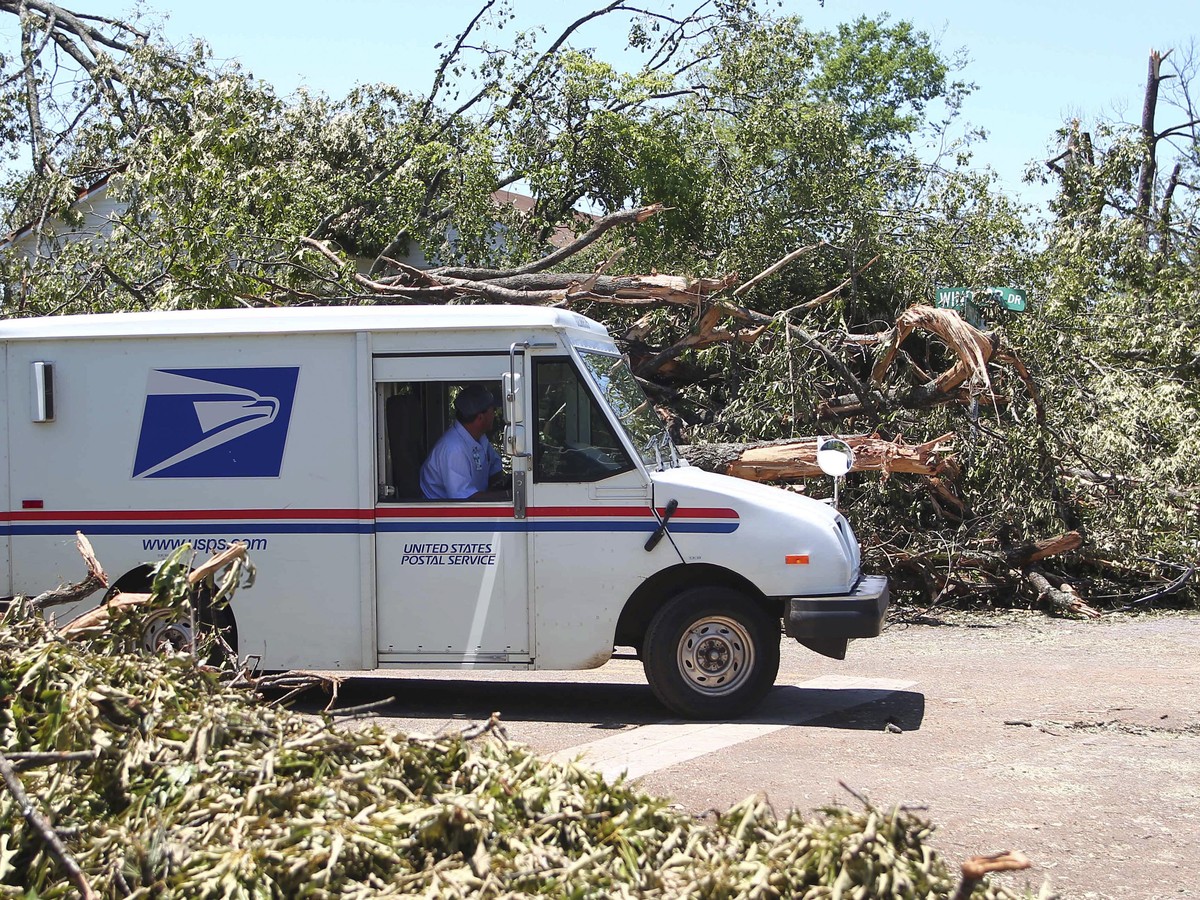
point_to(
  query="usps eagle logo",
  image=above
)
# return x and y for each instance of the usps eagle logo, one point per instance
(215, 423)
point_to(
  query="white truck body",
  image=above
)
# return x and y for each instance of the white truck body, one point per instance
(299, 431)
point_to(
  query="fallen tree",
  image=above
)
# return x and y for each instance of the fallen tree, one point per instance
(981, 375)
(993, 574)
(796, 458)
(385, 196)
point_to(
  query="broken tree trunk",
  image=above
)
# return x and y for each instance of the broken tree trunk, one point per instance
(968, 378)
(1061, 597)
(706, 332)
(972, 347)
(791, 459)
(1053, 546)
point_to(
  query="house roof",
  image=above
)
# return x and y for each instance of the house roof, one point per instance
(85, 193)
(562, 235)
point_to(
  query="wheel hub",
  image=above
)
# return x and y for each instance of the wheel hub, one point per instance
(713, 655)
(164, 636)
(716, 654)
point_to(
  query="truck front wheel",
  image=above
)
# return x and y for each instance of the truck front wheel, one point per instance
(711, 652)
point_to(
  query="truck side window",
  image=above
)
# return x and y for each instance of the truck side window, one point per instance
(574, 440)
(412, 416)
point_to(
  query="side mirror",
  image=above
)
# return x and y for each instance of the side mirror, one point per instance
(836, 458)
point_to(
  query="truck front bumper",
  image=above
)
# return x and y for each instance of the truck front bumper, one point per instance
(827, 624)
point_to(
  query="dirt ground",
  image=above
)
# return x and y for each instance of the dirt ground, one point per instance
(1077, 743)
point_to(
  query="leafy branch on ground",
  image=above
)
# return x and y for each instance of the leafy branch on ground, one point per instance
(131, 773)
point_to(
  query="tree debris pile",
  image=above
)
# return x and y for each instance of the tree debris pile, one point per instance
(159, 778)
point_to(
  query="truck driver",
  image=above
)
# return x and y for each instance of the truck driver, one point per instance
(463, 465)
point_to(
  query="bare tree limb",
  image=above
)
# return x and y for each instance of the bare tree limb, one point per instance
(23, 761)
(75, 24)
(44, 829)
(37, 136)
(609, 222)
(448, 58)
(775, 267)
(1062, 598)
(1145, 189)
(975, 869)
(522, 89)
(94, 581)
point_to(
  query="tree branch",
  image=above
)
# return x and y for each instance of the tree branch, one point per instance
(44, 829)
(92, 582)
(775, 267)
(609, 222)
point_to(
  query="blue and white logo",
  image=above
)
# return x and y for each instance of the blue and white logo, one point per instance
(215, 423)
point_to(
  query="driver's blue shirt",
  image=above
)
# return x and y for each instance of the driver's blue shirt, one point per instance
(459, 466)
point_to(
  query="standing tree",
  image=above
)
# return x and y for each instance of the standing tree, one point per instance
(1119, 334)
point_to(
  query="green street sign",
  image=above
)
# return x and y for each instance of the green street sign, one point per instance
(960, 297)
(1009, 298)
(953, 297)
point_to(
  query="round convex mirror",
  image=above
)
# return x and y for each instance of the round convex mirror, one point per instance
(834, 456)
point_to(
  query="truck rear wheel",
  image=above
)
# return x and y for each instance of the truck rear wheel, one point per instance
(711, 652)
(168, 631)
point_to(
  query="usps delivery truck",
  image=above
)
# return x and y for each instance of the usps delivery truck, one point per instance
(302, 431)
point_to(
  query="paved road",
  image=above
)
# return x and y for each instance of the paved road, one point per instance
(1077, 743)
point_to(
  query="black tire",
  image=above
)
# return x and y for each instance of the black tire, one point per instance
(135, 581)
(711, 653)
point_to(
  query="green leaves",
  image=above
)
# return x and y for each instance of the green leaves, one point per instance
(758, 135)
(753, 131)
(883, 77)
(203, 792)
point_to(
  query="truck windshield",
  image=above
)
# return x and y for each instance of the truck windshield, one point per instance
(633, 408)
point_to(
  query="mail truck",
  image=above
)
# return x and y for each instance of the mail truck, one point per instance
(302, 431)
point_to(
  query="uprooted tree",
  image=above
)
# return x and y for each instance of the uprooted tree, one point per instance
(769, 168)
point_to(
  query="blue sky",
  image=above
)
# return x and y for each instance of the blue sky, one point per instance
(1035, 64)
